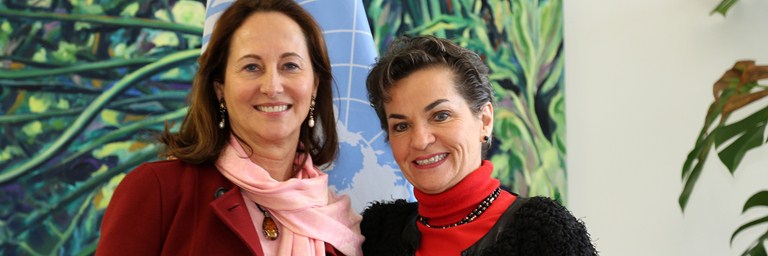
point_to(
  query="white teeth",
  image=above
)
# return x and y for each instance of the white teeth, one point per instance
(431, 160)
(272, 108)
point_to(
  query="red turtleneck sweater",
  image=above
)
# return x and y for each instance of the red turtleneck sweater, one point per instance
(454, 204)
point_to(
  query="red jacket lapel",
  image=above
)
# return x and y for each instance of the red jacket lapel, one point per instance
(230, 208)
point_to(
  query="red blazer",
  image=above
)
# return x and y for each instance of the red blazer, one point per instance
(175, 208)
(172, 208)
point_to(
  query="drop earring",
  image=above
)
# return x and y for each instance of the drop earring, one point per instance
(223, 113)
(311, 122)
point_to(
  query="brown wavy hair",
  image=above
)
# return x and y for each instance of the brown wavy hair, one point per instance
(200, 140)
(407, 55)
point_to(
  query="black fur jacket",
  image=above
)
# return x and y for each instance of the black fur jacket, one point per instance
(530, 226)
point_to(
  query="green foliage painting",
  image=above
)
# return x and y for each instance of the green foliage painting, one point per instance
(522, 43)
(84, 87)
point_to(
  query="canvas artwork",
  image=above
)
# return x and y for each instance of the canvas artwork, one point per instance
(85, 87)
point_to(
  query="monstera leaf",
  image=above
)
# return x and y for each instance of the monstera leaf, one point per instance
(734, 91)
(724, 6)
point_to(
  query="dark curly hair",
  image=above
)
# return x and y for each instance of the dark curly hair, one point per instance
(407, 55)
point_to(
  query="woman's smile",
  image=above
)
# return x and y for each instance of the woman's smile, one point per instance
(272, 108)
(431, 161)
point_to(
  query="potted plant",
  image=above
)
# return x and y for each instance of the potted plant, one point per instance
(737, 88)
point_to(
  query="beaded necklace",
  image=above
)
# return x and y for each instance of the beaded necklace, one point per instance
(474, 214)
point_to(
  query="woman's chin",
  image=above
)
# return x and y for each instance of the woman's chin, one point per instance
(272, 133)
(431, 188)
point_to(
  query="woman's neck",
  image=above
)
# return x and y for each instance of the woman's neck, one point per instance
(455, 203)
(277, 158)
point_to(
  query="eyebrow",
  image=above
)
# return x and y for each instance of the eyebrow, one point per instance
(289, 54)
(426, 109)
(284, 55)
(249, 56)
(434, 104)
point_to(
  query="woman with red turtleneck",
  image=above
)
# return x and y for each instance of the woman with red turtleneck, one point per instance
(433, 99)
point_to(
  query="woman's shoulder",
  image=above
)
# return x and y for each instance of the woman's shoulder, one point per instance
(538, 205)
(171, 164)
(383, 226)
(172, 168)
(381, 214)
(168, 172)
(542, 226)
(395, 207)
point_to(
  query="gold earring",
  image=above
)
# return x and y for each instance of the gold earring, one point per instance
(312, 113)
(223, 112)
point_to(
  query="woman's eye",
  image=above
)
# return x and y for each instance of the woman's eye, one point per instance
(291, 66)
(442, 116)
(399, 127)
(251, 67)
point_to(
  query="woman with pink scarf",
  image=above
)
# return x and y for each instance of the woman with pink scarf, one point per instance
(243, 179)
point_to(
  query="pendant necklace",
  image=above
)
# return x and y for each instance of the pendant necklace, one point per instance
(268, 226)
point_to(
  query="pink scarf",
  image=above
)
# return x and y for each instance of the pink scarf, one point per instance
(310, 213)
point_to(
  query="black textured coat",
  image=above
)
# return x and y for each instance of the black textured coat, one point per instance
(530, 226)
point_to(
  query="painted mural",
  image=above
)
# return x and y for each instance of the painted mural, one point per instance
(86, 85)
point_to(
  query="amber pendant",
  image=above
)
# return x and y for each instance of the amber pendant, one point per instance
(269, 228)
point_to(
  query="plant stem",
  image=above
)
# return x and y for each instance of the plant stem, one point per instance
(122, 132)
(106, 20)
(36, 217)
(92, 110)
(13, 119)
(33, 73)
(47, 86)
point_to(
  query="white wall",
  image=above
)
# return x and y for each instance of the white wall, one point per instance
(639, 78)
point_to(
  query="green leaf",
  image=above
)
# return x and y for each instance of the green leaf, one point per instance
(758, 199)
(10, 152)
(105, 20)
(555, 77)
(65, 53)
(557, 112)
(5, 32)
(732, 155)
(723, 7)
(704, 142)
(442, 22)
(725, 133)
(757, 250)
(749, 225)
(698, 155)
(130, 10)
(187, 13)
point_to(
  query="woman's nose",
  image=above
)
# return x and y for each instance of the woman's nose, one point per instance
(422, 137)
(271, 84)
